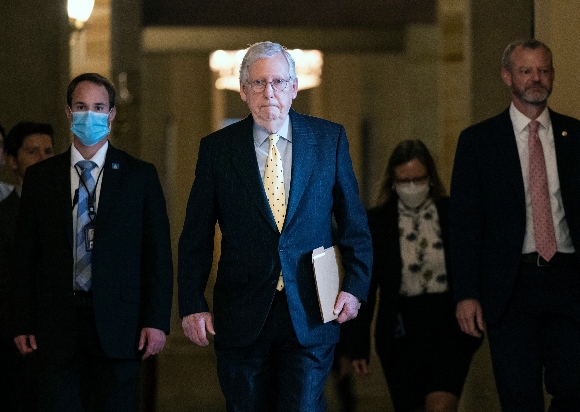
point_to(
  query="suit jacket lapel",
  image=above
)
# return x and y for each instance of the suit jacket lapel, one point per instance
(566, 142)
(507, 151)
(113, 170)
(303, 160)
(62, 192)
(243, 157)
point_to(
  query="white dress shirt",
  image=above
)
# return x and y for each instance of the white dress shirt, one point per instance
(99, 159)
(545, 132)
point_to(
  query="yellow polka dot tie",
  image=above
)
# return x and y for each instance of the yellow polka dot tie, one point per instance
(274, 183)
(274, 187)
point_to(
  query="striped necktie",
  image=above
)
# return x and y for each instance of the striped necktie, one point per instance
(84, 251)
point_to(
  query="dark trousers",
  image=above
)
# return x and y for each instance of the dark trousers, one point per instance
(10, 362)
(430, 355)
(539, 337)
(18, 384)
(78, 376)
(275, 373)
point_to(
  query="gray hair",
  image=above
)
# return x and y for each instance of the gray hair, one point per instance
(265, 50)
(506, 59)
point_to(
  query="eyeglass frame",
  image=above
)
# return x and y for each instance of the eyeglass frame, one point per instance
(251, 84)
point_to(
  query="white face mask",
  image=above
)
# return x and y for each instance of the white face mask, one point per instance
(412, 194)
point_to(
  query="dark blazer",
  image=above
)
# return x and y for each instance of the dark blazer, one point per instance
(228, 189)
(488, 212)
(131, 262)
(387, 274)
(8, 213)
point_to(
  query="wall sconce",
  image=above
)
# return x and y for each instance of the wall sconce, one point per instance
(226, 63)
(79, 12)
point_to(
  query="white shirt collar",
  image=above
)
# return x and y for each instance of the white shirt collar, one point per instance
(521, 121)
(261, 134)
(98, 158)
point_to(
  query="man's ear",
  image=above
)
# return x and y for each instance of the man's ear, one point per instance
(294, 86)
(243, 92)
(506, 76)
(112, 115)
(68, 113)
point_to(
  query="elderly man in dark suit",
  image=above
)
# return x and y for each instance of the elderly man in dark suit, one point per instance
(95, 281)
(273, 350)
(515, 237)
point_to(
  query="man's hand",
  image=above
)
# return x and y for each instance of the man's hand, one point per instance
(154, 339)
(468, 313)
(25, 343)
(195, 326)
(360, 366)
(346, 307)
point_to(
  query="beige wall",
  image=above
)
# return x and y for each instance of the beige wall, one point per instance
(556, 23)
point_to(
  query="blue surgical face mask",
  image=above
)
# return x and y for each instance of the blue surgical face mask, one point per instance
(90, 127)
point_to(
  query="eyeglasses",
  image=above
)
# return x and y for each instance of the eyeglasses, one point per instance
(420, 179)
(278, 85)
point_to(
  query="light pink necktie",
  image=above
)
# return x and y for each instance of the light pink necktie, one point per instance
(544, 234)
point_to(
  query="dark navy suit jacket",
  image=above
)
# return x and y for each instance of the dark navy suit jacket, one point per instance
(131, 262)
(228, 189)
(488, 211)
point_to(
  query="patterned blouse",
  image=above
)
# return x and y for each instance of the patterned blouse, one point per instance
(422, 254)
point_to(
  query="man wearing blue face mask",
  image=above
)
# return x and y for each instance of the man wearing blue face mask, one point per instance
(95, 285)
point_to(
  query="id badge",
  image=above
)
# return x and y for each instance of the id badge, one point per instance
(89, 236)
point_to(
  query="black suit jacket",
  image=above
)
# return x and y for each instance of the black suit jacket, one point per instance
(228, 189)
(487, 209)
(387, 277)
(8, 213)
(131, 261)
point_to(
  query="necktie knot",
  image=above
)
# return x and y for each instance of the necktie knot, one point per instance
(274, 138)
(86, 167)
(86, 164)
(533, 127)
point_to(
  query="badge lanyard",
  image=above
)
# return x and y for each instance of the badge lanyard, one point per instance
(89, 229)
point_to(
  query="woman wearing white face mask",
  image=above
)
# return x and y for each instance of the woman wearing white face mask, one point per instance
(424, 355)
